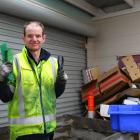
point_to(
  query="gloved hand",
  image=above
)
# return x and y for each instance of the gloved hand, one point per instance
(5, 69)
(62, 76)
(60, 82)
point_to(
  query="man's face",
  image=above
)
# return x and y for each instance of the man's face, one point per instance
(33, 37)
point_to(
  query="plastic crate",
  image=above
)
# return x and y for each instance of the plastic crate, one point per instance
(125, 118)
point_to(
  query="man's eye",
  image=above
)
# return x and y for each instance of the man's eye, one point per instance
(37, 36)
(30, 36)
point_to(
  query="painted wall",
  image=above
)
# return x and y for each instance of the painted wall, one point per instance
(115, 36)
(91, 52)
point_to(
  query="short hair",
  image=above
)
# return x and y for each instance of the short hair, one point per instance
(37, 23)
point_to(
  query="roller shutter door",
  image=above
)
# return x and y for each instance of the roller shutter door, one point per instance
(60, 42)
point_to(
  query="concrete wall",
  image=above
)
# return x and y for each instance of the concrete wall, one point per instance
(115, 36)
(91, 49)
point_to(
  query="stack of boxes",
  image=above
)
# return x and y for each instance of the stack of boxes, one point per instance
(106, 86)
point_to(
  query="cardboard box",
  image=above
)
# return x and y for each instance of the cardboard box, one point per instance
(95, 73)
(135, 57)
(132, 68)
(111, 83)
(108, 74)
(86, 76)
(106, 86)
(90, 74)
(129, 92)
(112, 90)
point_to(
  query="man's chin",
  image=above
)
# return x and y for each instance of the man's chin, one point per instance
(34, 49)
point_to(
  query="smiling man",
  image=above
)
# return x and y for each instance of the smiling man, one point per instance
(32, 93)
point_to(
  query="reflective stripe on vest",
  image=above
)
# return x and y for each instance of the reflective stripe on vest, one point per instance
(53, 67)
(21, 104)
(32, 120)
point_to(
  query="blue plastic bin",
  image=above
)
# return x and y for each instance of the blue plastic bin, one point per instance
(125, 118)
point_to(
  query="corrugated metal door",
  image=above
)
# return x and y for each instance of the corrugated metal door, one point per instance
(59, 42)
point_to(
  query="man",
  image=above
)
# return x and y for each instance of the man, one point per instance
(32, 93)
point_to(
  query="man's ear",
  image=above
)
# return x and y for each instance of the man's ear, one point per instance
(45, 39)
(23, 38)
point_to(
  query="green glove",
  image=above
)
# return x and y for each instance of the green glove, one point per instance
(7, 60)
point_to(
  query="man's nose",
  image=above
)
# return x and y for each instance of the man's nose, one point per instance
(34, 38)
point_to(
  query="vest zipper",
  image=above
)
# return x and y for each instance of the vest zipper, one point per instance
(40, 91)
(42, 108)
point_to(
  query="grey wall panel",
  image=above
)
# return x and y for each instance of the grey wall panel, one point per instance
(71, 46)
(69, 94)
(65, 54)
(67, 49)
(73, 90)
(3, 114)
(67, 105)
(67, 109)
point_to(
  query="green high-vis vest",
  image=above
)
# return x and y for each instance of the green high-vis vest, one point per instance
(33, 107)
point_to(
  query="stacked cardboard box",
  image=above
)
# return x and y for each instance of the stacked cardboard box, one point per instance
(121, 63)
(111, 82)
(107, 85)
(90, 74)
(132, 68)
